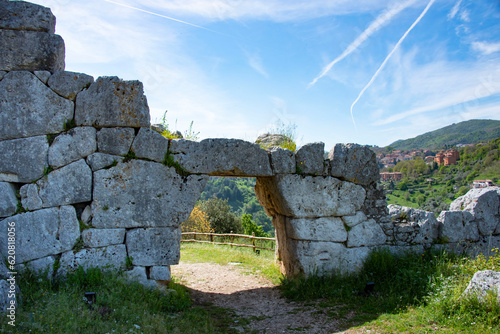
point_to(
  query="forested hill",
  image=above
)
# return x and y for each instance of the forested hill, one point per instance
(240, 193)
(468, 132)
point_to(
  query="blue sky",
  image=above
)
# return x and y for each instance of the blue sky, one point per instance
(236, 67)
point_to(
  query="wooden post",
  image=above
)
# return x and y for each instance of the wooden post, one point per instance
(194, 235)
(211, 237)
(253, 241)
(232, 239)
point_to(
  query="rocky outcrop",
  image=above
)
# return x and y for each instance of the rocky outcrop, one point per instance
(482, 283)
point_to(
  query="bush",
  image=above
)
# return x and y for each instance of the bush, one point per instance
(222, 220)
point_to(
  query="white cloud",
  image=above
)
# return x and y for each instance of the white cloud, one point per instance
(486, 48)
(276, 10)
(433, 87)
(255, 62)
(453, 12)
(465, 15)
(381, 20)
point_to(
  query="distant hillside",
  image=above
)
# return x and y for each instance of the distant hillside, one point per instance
(468, 132)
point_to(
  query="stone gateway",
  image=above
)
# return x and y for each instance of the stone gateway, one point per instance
(89, 183)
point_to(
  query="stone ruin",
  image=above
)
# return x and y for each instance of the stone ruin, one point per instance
(87, 182)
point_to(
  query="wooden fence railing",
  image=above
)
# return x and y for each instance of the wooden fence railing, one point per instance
(230, 236)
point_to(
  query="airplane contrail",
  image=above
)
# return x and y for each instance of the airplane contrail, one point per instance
(376, 25)
(389, 56)
(156, 14)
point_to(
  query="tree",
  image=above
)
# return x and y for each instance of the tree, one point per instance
(197, 222)
(222, 220)
(251, 227)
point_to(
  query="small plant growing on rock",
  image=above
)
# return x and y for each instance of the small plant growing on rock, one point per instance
(129, 156)
(78, 245)
(170, 162)
(128, 263)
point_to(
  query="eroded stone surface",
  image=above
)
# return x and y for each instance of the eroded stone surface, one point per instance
(309, 158)
(21, 15)
(282, 160)
(368, 233)
(69, 84)
(221, 157)
(8, 199)
(309, 196)
(67, 185)
(29, 108)
(150, 144)
(111, 257)
(30, 199)
(41, 233)
(458, 226)
(31, 51)
(483, 282)
(23, 160)
(143, 193)
(319, 229)
(484, 204)
(98, 160)
(115, 141)
(354, 163)
(95, 237)
(71, 146)
(110, 101)
(156, 246)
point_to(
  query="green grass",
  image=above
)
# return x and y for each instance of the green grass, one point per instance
(262, 264)
(57, 306)
(414, 293)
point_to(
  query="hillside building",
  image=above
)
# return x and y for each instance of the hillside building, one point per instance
(482, 183)
(447, 158)
(391, 176)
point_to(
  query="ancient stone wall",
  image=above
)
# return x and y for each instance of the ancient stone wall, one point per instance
(87, 182)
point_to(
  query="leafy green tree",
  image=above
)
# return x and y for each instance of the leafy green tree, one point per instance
(220, 216)
(251, 227)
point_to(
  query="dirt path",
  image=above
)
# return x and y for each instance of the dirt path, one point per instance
(254, 298)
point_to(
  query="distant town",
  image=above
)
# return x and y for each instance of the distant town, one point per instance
(387, 161)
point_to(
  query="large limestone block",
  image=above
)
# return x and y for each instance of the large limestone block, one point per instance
(354, 163)
(482, 283)
(160, 273)
(111, 101)
(41, 233)
(282, 160)
(368, 233)
(309, 158)
(484, 204)
(322, 258)
(355, 219)
(115, 141)
(42, 75)
(29, 108)
(8, 199)
(21, 15)
(67, 185)
(138, 274)
(98, 160)
(309, 196)
(221, 157)
(143, 193)
(23, 160)
(157, 246)
(458, 226)
(71, 146)
(31, 51)
(30, 200)
(69, 84)
(96, 237)
(151, 145)
(105, 258)
(45, 264)
(319, 229)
